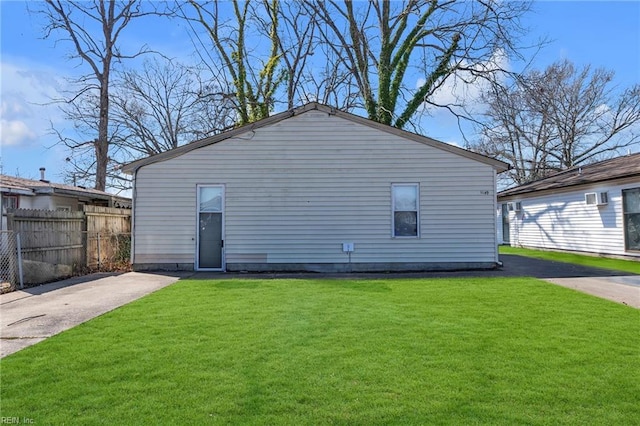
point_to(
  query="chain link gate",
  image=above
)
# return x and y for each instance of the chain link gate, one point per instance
(10, 277)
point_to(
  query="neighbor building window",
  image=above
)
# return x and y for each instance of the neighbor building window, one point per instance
(10, 202)
(631, 212)
(405, 209)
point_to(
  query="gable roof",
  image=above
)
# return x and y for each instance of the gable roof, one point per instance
(130, 168)
(21, 186)
(617, 168)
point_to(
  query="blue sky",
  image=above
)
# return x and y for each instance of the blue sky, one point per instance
(603, 34)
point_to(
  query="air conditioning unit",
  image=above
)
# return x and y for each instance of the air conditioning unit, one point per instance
(514, 206)
(596, 198)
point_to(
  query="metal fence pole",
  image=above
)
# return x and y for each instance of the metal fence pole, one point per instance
(99, 265)
(19, 251)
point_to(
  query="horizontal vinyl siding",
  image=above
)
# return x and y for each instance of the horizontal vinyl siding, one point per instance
(295, 191)
(565, 222)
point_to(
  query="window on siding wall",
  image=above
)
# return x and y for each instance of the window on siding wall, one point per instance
(405, 202)
(631, 211)
(10, 202)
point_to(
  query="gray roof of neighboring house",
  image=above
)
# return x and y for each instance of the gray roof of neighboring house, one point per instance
(627, 166)
(22, 186)
(130, 168)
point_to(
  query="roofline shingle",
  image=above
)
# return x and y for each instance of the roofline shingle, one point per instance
(623, 167)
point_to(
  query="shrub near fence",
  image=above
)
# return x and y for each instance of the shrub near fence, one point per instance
(62, 243)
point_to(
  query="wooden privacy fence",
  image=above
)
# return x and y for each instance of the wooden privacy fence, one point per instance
(49, 236)
(108, 235)
(90, 238)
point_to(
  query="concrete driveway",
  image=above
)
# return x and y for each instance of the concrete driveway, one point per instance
(625, 290)
(620, 287)
(32, 315)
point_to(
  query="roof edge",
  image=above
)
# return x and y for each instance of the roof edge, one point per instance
(565, 188)
(16, 191)
(32, 187)
(530, 187)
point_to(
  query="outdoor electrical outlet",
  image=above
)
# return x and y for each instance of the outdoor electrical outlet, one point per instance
(348, 247)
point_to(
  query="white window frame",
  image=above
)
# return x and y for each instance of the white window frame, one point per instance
(625, 219)
(10, 199)
(393, 210)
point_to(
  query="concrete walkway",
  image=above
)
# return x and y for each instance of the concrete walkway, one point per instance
(621, 289)
(32, 315)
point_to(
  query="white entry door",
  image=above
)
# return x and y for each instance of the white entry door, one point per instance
(210, 244)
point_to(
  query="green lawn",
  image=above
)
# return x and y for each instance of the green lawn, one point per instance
(438, 351)
(577, 259)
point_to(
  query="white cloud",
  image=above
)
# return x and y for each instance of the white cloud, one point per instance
(461, 93)
(26, 90)
(602, 109)
(462, 88)
(15, 132)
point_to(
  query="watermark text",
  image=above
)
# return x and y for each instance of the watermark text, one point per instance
(16, 421)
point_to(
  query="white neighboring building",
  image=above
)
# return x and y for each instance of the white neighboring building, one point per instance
(594, 209)
(315, 189)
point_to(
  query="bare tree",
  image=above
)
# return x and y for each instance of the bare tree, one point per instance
(244, 50)
(511, 135)
(388, 46)
(546, 121)
(330, 84)
(296, 44)
(160, 107)
(93, 29)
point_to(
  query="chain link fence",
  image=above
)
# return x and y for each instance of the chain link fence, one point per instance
(10, 271)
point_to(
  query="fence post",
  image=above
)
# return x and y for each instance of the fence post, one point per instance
(19, 250)
(86, 258)
(10, 224)
(99, 264)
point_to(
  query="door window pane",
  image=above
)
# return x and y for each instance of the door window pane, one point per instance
(631, 200)
(210, 199)
(631, 208)
(506, 231)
